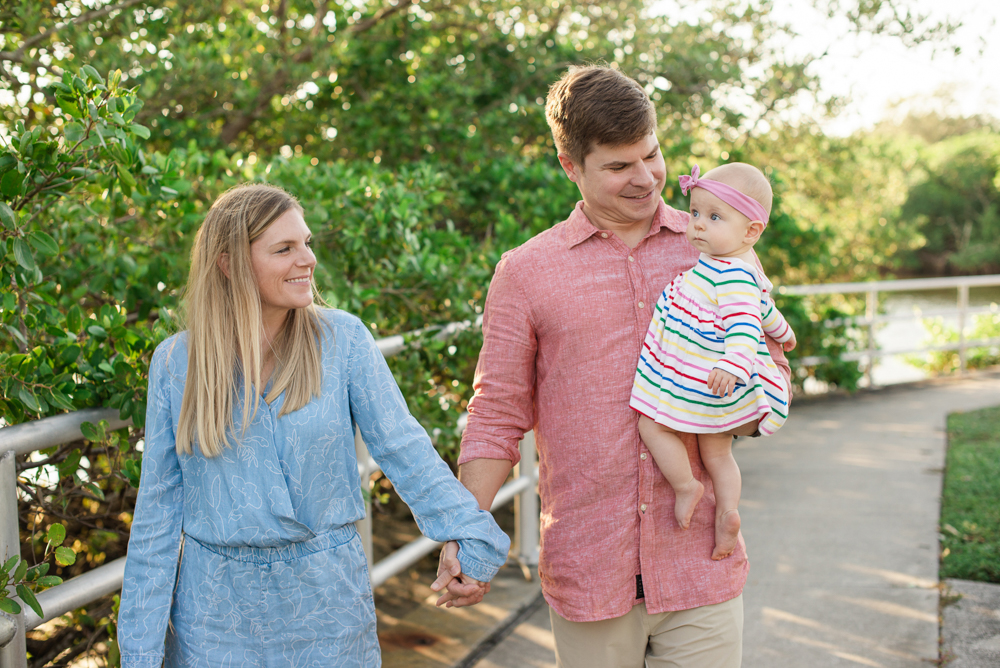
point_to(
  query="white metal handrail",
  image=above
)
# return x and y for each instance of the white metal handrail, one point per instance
(872, 318)
(56, 430)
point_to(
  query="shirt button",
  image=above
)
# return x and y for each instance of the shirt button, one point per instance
(643, 456)
(643, 507)
(604, 235)
(641, 304)
(631, 259)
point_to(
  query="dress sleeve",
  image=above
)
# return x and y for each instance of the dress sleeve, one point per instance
(777, 354)
(154, 545)
(443, 508)
(503, 408)
(739, 305)
(774, 323)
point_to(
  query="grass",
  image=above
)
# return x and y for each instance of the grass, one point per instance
(970, 504)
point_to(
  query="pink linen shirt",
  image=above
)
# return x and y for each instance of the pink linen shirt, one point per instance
(564, 321)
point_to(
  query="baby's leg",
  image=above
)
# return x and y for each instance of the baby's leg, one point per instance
(671, 456)
(717, 456)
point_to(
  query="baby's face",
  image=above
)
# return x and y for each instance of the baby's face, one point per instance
(715, 227)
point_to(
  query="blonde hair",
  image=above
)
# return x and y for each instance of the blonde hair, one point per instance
(747, 179)
(224, 323)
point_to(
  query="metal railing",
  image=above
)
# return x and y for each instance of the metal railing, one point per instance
(871, 319)
(79, 591)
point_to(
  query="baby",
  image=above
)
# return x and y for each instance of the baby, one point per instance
(704, 368)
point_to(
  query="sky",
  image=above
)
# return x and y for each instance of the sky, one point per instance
(879, 72)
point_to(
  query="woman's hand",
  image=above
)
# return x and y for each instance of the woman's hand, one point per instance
(459, 590)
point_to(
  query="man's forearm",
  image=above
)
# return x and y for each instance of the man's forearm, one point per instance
(484, 478)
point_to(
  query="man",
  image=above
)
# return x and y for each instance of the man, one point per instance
(564, 321)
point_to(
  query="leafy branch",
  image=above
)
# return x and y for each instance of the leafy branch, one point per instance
(29, 580)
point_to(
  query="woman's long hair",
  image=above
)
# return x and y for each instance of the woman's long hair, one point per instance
(224, 322)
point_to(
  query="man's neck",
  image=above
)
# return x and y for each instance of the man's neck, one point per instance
(630, 232)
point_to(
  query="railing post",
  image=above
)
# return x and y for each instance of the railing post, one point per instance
(963, 305)
(526, 505)
(871, 310)
(15, 654)
(364, 525)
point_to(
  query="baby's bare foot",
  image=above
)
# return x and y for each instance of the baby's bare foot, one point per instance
(687, 498)
(727, 531)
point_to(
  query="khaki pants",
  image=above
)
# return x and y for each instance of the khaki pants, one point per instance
(706, 637)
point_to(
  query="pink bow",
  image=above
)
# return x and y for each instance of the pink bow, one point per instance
(689, 182)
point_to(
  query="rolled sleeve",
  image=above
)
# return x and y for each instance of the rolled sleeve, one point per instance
(774, 323)
(142, 660)
(503, 408)
(773, 347)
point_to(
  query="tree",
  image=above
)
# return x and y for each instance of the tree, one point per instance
(461, 77)
(956, 206)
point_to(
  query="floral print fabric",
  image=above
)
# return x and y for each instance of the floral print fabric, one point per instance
(275, 513)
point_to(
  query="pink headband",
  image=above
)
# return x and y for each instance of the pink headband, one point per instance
(748, 206)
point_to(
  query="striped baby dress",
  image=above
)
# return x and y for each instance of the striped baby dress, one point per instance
(713, 316)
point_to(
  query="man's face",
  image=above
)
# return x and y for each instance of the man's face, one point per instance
(620, 185)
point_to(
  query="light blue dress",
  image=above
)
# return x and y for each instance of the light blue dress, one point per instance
(272, 571)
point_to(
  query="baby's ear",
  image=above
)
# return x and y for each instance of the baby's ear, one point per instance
(754, 229)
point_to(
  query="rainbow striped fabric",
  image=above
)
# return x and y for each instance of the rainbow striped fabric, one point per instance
(713, 316)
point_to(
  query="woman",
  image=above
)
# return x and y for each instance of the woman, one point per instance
(244, 538)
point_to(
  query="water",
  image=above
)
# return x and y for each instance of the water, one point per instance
(911, 333)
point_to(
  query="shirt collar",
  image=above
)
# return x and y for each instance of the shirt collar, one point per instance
(581, 229)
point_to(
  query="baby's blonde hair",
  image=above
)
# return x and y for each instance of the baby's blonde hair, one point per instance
(747, 179)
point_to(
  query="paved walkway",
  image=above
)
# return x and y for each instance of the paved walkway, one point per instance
(840, 512)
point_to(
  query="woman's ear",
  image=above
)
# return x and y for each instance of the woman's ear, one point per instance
(223, 263)
(754, 229)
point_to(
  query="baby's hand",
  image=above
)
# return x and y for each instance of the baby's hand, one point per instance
(722, 383)
(789, 344)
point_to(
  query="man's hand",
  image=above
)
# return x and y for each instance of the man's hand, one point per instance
(459, 590)
(721, 383)
(789, 344)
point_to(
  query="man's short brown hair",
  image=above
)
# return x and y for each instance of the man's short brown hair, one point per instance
(594, 104)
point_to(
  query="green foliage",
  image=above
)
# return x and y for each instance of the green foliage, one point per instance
(845, 192)
(821, 331)
(60, 356)
(957, 205)
(985, 326)
(970, 516)
(788, 242)
(462, 82)
(28, 580)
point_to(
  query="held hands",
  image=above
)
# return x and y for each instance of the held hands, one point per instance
(459, 590)
(721, 383)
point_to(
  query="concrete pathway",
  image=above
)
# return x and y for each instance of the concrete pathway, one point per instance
(840, 512)
(970, 635)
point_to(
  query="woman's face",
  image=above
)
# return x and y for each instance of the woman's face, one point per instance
(283, 262)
